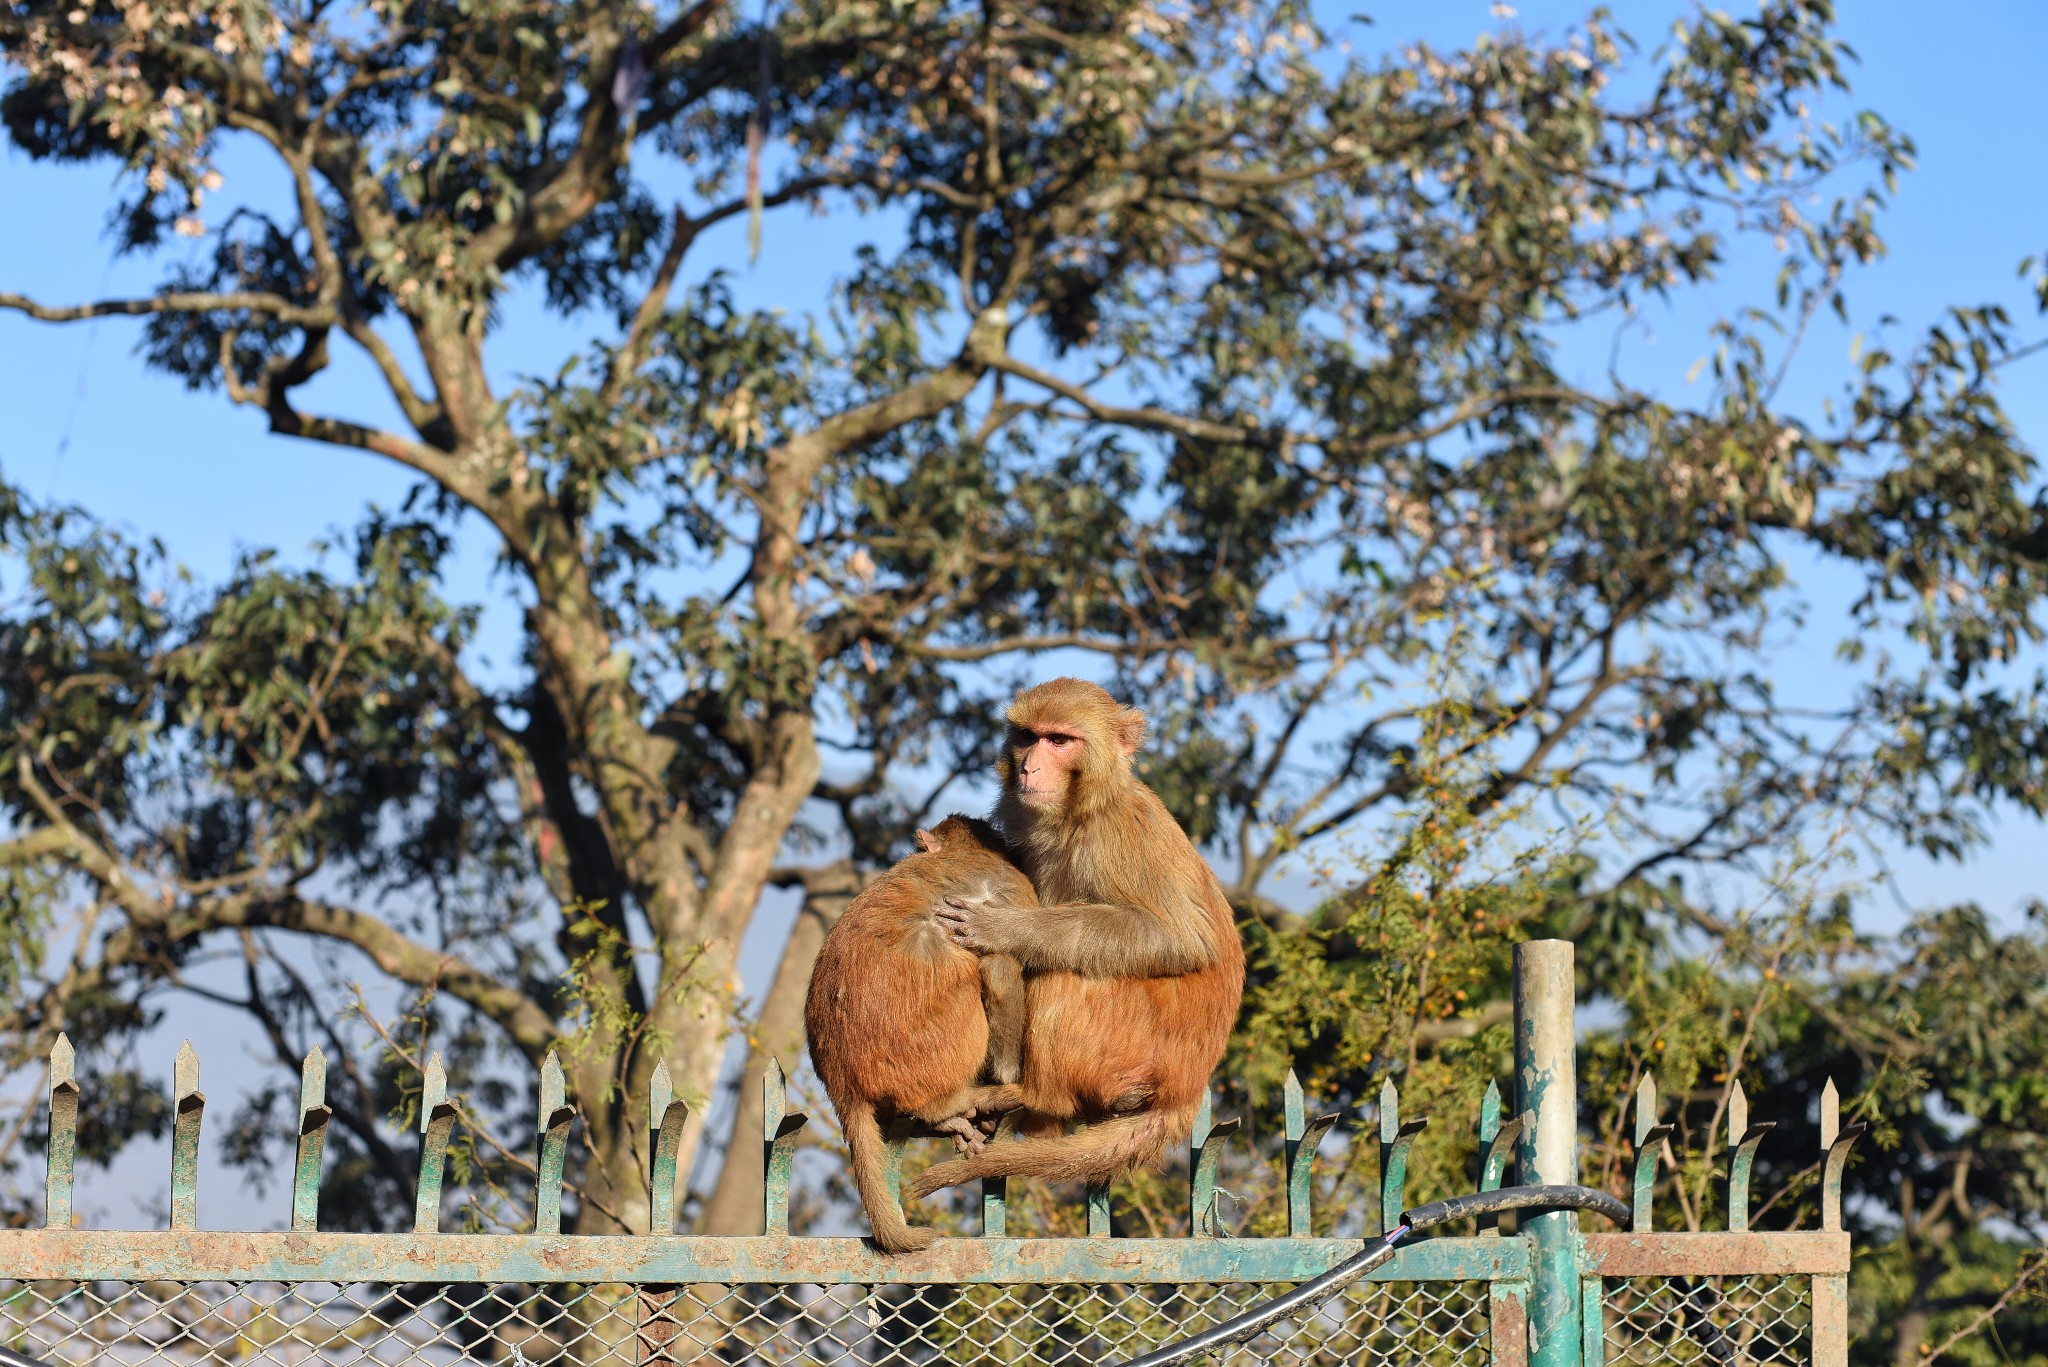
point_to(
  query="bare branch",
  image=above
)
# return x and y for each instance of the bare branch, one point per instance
(434, 464)
(986, 650)
(177, 301)
(685, 231)
(423, 413)
(1201, 429)
(164, 919)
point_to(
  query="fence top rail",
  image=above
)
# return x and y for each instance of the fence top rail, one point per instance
(286, 1256)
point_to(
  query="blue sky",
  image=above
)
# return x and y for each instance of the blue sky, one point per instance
(85, 423)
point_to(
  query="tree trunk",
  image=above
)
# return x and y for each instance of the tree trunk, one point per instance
(734, 1206)
(1909, 1330)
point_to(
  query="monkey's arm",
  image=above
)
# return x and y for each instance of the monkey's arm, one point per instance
(1100, 940)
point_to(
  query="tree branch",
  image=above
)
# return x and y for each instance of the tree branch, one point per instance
(1201, 429)
(161, 918)
(1007, 645)
(434, 464)
(2035, 1266)
(681, 27)
(799, 458)
(177, 301)
(685, 232)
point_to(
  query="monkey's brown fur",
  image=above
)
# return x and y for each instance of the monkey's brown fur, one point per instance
(896, 1016)
(1135, 969)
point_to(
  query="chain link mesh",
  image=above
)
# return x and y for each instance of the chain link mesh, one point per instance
(161, 1324)
(1752, 1321)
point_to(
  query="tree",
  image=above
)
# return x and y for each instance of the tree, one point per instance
(1205, 354)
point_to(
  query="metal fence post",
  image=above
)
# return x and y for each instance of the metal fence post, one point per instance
(1546, 1097)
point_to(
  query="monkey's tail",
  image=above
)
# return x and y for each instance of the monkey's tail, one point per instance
(871, 1178)
(1097, 1154)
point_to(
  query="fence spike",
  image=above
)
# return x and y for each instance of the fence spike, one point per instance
(1205, 1149)
(666, 1116)
(1646, 1108)
(313, 1117)
(779, 1126)
(188, 1107)
(1649, 1144)
(1835, 1143)
(1395, 1141)
(63, 1147)
(437, 1123)
(1304, 1137)
(1498, 1137)
(1740, 1164)
(1489, 1132)
(1738, 1113)
(555, 1115)
(1500, 1151)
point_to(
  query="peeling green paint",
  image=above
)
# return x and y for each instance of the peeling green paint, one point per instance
(666, 1115)
(1396, 1139)
(555, 1115)
(1205, 1149)
(313, 1117)
(437, 1123)
(63, 1145)
(1303, 1138)
(188, 1108)
(779, 1128)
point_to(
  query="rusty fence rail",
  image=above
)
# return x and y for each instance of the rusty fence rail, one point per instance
(1550, 1295)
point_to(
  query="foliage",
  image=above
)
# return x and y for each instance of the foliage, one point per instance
(1179, 339)
(1936, 1036)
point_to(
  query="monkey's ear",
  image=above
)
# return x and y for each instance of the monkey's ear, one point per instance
(1129, 730)
(928, 842)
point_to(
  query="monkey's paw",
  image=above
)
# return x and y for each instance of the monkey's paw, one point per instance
(968, 1138)
(979, 927)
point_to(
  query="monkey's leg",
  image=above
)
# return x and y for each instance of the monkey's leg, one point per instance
(1002, 1001)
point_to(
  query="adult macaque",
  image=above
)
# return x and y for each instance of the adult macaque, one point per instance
(902, 1020)
(1133, 966)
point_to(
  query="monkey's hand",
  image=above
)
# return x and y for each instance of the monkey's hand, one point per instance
(984, 927)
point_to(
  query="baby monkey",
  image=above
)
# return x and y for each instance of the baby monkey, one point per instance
(903, 1022)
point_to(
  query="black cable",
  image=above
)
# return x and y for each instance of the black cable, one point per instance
(1250, 1324)
(10, 1358)
(1517, 1198)
(1376, 1255)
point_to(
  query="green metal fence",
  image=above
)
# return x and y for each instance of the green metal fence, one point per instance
(1551, 1294)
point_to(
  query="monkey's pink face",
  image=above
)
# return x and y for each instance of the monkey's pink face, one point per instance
(1044, 763)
